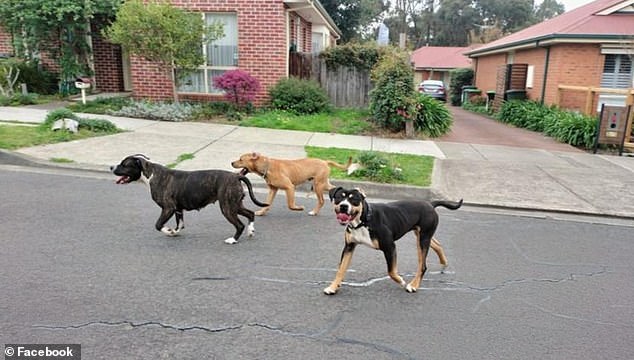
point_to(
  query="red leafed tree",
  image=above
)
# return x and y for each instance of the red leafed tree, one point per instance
(239, 87)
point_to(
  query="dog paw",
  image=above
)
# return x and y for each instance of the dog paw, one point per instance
(312, 213)
(330, 291)
(410, 289)
(250, 230)
(260, 213)
(443, 268)
(169, 231)
(231, 241)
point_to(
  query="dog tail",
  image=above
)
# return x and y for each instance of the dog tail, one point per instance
(245, 180)
(451, 205)
(340, 166)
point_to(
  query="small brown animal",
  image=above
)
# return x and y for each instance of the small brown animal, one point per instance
(286, 174)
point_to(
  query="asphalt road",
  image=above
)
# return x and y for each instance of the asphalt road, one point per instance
(82, 263)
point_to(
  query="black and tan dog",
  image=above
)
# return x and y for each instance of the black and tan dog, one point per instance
(176, 190)
(286, 174)
(380, 225)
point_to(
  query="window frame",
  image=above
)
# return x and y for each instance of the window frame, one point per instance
(206, 69)
(616, 79)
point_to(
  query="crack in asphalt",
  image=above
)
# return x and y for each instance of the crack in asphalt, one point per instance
(317, 335)
(576, 318)
(138, 325)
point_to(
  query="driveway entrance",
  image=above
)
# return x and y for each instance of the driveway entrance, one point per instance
(472, 128)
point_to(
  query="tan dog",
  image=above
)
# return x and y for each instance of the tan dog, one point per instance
(286, 174)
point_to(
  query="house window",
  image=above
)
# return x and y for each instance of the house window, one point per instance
(220, 55)
(617, 72)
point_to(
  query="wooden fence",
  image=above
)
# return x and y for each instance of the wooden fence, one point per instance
(346, 86)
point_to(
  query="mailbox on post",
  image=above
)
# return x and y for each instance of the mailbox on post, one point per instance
(611, 127)
(83, 83)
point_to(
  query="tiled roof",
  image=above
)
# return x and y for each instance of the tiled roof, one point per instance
(588, 21)
(439, 57)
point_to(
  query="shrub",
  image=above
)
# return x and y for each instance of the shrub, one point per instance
(37, 79)
(239, 87)
(392, 100)
(376, 167)
(58, 114)
(432, 116)
(98, 125)
(25, 99)
(359, 56)
(459, 78)
(95, 125)
(524, 114)
(571, 127)
(299, 96)
(156, 111)
(565, 126)
(5, 100)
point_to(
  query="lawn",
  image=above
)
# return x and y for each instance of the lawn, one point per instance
(18, 136)
(415, 169)
(341, 121)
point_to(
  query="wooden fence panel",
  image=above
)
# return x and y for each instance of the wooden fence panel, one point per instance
(346, 86)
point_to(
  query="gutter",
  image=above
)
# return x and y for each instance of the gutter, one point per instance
(545, 78)
(545, 40)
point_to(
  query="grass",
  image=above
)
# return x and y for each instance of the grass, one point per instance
(17, 136)
(61, 160)
(416, 169)
(341, 121)
(180, 159)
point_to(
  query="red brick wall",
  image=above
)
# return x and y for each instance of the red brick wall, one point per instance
(108, 65)
(262, 47)
(573, 64)
(5, 42)
(486, 68)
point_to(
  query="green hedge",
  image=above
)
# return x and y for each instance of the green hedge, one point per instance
(565, 126)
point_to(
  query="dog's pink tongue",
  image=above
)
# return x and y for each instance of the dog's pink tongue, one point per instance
(343, 218)
(122, 180)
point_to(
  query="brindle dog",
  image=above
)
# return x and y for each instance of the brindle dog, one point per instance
(177, 190)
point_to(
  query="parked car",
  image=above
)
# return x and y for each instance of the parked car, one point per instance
(433, 88)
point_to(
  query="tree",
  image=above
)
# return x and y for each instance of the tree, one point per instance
(60, 28)
(454, 20)
(353, 16)
(509, 15)
(548, 9)
(163, 34)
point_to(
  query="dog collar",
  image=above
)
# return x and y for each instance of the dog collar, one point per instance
(366, 216)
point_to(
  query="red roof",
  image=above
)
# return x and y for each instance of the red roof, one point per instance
(440, 57)
(596, 20)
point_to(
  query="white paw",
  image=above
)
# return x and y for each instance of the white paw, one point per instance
(250, 229)
(330, 291)
(442, 269)
(312, 213)
(231, 241)
(169, 231)
(410, 289)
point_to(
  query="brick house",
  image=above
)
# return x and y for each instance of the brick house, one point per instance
(435, 62)
(591, 46)
(258, 36)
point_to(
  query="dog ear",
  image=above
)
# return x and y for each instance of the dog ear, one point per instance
(333, 191)
(255, 155)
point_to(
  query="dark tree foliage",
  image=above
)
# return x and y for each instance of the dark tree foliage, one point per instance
(353, 16)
